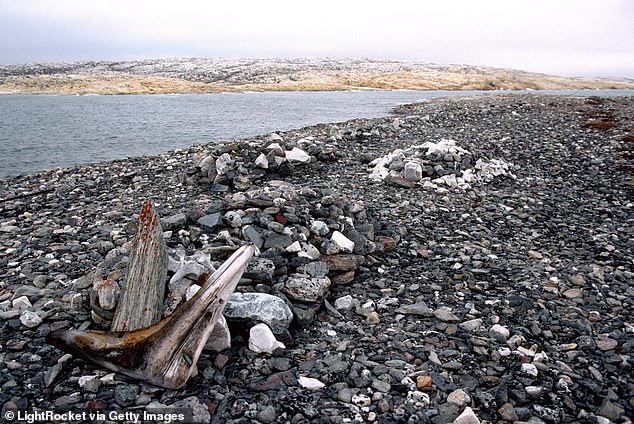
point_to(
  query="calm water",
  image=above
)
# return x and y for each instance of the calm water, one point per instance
(44, 132)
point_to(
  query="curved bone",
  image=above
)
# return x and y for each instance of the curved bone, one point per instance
(163, 354)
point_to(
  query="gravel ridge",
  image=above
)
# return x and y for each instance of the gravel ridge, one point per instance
(510, 301)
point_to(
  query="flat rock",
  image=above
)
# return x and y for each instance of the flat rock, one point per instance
(211, 222)
(260, 307)
(306, 289)
(343, 262)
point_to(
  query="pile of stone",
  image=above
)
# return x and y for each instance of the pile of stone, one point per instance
(243, 165)
(437, 165)
(308, 241)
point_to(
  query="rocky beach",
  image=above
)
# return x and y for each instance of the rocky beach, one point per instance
(462, 260)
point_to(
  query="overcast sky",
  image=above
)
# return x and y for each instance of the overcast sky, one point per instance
(563, 37)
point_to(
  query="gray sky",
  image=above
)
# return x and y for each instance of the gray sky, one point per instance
(563, 37)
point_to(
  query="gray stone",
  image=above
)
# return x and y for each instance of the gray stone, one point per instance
(444, 314)
(126, 394)
(473, 325)
(220, 337)
(250, 233)
(381, 386)
(30, 319)
(260, 307)
(499, 333)
(199, 411)
(345, 303)
(267, 414)
(233, 219)
(210, 222)
(413, 171)
(459, 397)
(306, 289)
(316, 269)
(319, 227)
(107, 292)
(276, 239)
(260, 269)
(21, 303)
(52, 373)
(174, 221)
(611, 411)
(420, 308)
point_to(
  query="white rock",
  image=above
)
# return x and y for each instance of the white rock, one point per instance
(533, 391)
(108, 379)
(220, 337)
(467, 417)
(344, 303)
(413, 171)
(262, 162)
(418, 398)
(342, 241)
(294, 247)
(530, 369)
(275, 137)
(276, 148)
(30, 319)
(191, 291)
(297, 155)
(262, 340)
(319, 227)
(85, 378)
(224, 163)
(310, 383)
(90, 383)
(459, 397)
(499, 332)
(309, 251)
(473, 325)
(21, 303)
(361, 400)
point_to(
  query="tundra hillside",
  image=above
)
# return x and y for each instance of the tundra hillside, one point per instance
(210, 75)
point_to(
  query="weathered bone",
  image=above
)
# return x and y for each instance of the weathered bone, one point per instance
(163, 354)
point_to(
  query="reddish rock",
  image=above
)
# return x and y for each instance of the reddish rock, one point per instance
(346, 262)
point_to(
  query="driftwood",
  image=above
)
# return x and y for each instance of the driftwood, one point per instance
(141, 301)
(163, 353)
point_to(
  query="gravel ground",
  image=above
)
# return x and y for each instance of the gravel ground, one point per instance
(507, 301)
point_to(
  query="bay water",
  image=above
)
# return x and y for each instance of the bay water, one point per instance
(40, 132)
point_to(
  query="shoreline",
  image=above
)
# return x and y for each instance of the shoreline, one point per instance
(517, 285)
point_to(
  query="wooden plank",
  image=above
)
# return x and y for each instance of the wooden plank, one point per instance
(141, 302)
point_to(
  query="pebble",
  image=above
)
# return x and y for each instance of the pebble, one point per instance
(444, 313)
(310, 383)
(262, 340)
(499, 333)
(467, 417)
(30, 319)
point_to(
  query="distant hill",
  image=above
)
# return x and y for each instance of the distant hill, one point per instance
(205, 75)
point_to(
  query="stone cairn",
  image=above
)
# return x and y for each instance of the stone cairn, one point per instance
(309, 239)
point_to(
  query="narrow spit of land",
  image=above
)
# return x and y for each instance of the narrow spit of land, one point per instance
(508, 301)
